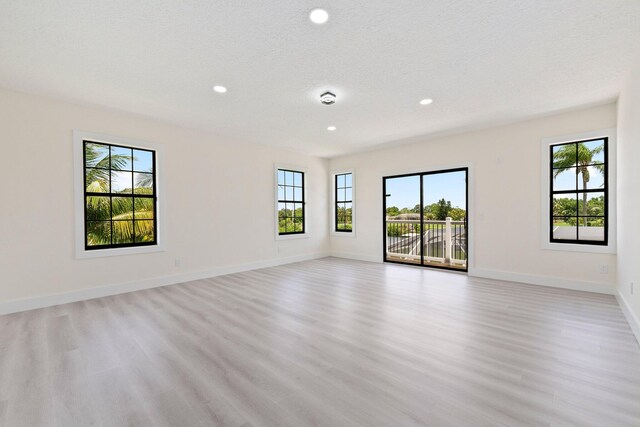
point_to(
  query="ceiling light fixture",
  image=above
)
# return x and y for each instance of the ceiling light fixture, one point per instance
(319, 16)
(328, 98)
(220, 89)
(331, 128)
(426, 101)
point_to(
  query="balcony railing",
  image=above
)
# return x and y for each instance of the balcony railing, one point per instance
(444, 242)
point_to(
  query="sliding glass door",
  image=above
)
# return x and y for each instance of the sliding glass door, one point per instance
(425, 219)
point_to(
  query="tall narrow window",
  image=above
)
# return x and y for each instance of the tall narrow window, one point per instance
(119, 196)
(344, 203)
(579, 192)
(291, 215)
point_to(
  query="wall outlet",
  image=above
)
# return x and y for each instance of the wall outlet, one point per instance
(604, 269)
(631, 288)
(178, 262)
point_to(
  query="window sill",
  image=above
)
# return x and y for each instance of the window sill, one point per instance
(342, 234)
(82, 253)
(292, 236)
(572, 247)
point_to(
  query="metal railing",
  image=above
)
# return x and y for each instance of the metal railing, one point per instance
(443, 242)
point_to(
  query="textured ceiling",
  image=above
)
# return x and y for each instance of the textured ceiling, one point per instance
(481, 61)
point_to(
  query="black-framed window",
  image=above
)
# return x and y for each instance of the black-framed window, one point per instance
(579, 192)
(291, 209)
(344, 203)
(120, 202)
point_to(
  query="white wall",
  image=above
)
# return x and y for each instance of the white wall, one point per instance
(219, 202)
(629, 198)
(507, 187)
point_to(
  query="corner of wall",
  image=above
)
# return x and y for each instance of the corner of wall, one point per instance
(629, 198)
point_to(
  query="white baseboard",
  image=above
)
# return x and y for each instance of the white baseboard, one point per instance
(357, 257)
(631, 317)
(553, 282)
(25, 304)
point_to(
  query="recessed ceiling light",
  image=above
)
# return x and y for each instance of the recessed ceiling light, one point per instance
(331, 128)
(319, 16)
(220, 89)
(426, 101)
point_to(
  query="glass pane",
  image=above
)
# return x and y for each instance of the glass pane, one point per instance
(349, 180)
(142, 161)
(564, 155)
(290, 227)
(341, 181)
(445, 195)
(98, 207)
(280, 177)
(121, 182)
(281, 210)
(143, 183)
(565, 205)
(298, 225)
(348, 209)
(348, 195)
(403, 195)
(592, 152)
(145, 231)
(348, 215)
(298, 210)
(122, 208)
(564, 179)
(121, 158)
(97, 180)
(344, 226)
(341, 195)
(122, 232)
(565, 228)
(297, 181)
(591, 178)
(288, 178)
(594, 204)
(98, 233)
(288, 193)
(96, 155)
(280, 192)
(289, 210)
(591, 229)
(297, 194)
(144, 208)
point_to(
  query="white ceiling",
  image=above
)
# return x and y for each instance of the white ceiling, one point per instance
(481, 61)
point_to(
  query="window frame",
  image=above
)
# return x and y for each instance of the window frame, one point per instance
(334, 203)
(293, 234)
(82, 251)
(547, 193)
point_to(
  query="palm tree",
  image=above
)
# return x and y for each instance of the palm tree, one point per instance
(100, 210)
(581, 157)
(96, 157)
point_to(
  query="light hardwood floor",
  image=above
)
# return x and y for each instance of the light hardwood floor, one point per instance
(327, 342)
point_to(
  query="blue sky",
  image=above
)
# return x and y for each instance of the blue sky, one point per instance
(405, 192)
(566, 179)
(142, 161)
